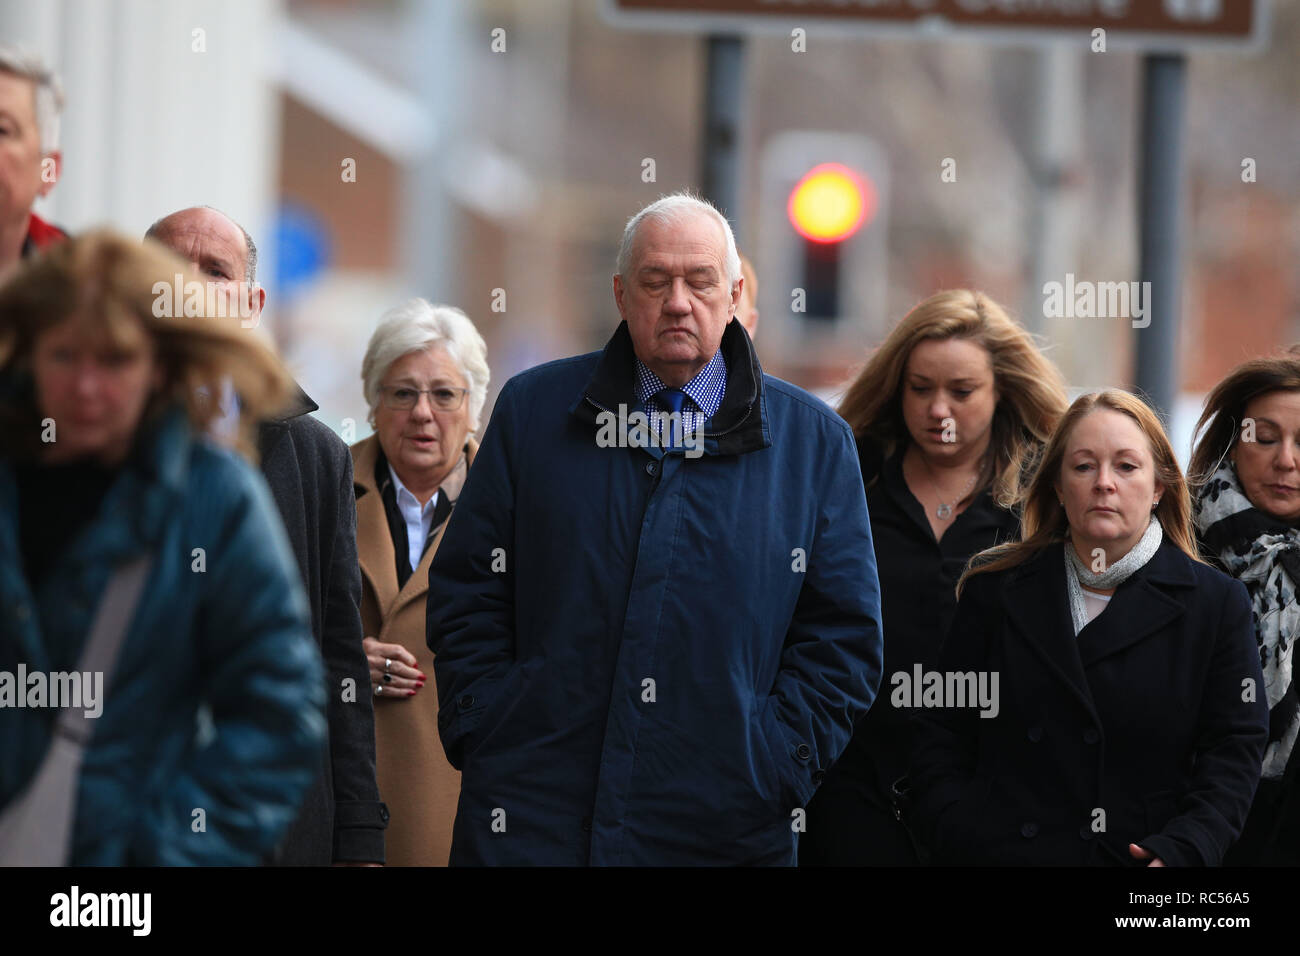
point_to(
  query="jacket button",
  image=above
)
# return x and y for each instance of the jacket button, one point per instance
(652, 468)
(1029, 830)
(466, 701)
(383, 812)
(819, 776)
(1090, 736)
(586, 824)
(803, 751)
(1035, 734)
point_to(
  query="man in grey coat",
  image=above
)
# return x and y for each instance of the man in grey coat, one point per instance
(309, 471)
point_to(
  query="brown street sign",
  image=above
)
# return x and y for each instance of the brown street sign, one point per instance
(1144, 24)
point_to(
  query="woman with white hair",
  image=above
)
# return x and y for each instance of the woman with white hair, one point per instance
(425, 376)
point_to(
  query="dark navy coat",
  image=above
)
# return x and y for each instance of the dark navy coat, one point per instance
(1154, 715)
(645, 658)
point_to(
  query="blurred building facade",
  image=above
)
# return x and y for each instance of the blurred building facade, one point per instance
(497, 147)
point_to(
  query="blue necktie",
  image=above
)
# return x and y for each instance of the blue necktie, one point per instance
(671, 399)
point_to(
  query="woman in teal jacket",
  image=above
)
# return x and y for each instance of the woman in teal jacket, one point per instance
(208, 735)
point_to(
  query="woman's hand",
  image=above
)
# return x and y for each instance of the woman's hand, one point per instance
(1139, 853)
(393, 670)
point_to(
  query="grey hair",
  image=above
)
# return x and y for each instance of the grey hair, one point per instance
(250, 259)
(416, 325)
(673, 209)
(48, 89)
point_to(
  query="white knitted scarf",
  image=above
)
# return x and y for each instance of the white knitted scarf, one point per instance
(1076, 571)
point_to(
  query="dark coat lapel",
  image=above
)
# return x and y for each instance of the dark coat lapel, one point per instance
(270, 432)
(375, 549)
(895, 485)
(1038, 608)
(1143, 605)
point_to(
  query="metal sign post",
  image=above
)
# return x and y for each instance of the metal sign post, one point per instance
(1161, 29)
(723, 100)
(1160, 196)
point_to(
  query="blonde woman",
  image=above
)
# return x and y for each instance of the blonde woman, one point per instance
(1129, 724)
(944, 412)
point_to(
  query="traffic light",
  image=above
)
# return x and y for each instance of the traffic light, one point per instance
(830, 203)
(827, 206)
(821, 235)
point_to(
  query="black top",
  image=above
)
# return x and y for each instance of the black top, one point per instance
(918, 581)
(55, 503)
(397, 523)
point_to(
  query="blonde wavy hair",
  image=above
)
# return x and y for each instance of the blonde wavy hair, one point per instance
(1030, 388)
(1043, 520)
(107, 281)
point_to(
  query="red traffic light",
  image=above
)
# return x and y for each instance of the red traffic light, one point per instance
(831, 203)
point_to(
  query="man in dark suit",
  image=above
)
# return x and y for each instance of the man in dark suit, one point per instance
(309, 471)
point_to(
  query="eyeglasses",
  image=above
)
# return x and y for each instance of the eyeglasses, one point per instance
(403, 398)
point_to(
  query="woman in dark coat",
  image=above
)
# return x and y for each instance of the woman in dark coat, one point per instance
(943, 412)
(1128, 720)
(1245, 474)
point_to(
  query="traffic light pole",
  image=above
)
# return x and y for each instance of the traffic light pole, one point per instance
(723, 101)
(1160, 197)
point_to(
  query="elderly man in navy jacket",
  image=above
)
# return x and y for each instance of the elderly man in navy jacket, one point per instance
(654, 613)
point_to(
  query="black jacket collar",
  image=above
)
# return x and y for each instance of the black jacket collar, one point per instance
(301, 404)
(273, 429)
(1037, 600)
(738, 426)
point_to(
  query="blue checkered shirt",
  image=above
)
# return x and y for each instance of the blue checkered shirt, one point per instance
(703, 395)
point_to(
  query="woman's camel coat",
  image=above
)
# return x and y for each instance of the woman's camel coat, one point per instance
(420, 788)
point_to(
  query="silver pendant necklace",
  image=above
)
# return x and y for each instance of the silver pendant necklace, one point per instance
(944, 511)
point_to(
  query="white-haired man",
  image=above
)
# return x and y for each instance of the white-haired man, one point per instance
(309, 471)
(657, 611)
(30, 160)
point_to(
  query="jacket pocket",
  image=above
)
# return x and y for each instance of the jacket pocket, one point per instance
(1161, 807)
(1112, 854)
(496, 697)
(963, 824)
(782, 750)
